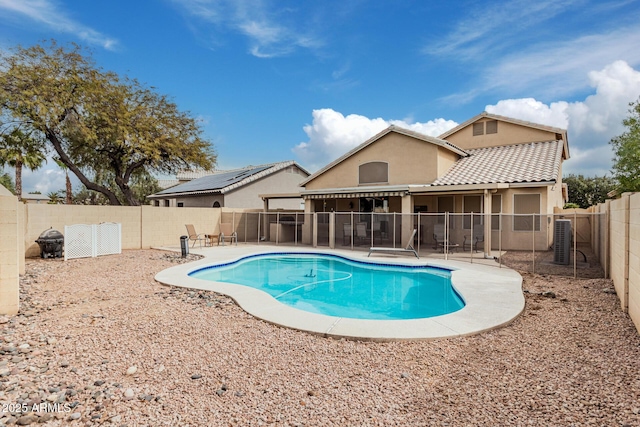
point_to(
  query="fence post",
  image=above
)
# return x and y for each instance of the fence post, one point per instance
(533, 233)
(332, 230)
(446, 236)
(471, 247)
(259, 221)
(575, 244)
(315, 230)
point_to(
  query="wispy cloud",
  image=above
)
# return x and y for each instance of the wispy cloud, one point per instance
(270, 32)
(491, 26)
(49, 13)
(555, 69)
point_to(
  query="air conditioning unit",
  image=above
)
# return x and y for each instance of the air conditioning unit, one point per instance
(562, 241)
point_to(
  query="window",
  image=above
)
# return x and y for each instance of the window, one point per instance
(524, 204)
(478, 128)
(180, 204)
(492, 126)
(496, 209)
(472, 204)
(374, 173)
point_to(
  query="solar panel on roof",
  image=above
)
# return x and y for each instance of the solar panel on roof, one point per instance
(214, 182)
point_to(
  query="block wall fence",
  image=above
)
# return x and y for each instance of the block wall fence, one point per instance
(615, 238)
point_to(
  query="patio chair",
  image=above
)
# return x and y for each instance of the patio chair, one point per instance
(195, 237)
(472, 241)
(361, 233)
(408, 248)
(227, 232)
(439, 241)
(347, 232)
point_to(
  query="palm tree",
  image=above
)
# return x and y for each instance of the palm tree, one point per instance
(69, 189)
(54, 197)
(20, 149)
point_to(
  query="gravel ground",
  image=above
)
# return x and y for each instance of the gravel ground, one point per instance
(98, 341)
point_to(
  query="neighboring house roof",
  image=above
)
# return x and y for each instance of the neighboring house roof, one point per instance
(221, 182)
(35, 197)
(191, 175)
(167, 183)
(392, 128)
(521, 163)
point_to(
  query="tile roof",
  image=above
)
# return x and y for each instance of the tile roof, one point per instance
(521, 163)
(223, 181)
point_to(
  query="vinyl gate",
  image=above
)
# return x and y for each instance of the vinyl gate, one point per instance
(92, 240)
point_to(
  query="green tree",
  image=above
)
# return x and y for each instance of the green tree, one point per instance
(97, 123)
(587, 191)
(7, 182)
(20, 149)
(626, 147)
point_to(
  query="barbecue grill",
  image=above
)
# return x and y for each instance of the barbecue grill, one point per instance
(51, 242)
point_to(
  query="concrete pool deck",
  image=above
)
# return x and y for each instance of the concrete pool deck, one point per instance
(493, 296)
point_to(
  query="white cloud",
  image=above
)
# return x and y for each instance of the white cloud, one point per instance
(45, 180)
(46, 12)
(590, 123)
(332, 134)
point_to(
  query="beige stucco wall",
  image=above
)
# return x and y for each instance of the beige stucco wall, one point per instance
(508, 134)
(411, 161)
(206, 201)
(283, 181)
(9, 252)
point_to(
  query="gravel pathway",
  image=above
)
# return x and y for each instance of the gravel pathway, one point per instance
(98, 341)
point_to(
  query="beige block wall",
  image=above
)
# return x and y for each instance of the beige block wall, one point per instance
(164, 226)
(9, 252)
(41, 217)
(619, 248)
(634, 259)
(142, 226)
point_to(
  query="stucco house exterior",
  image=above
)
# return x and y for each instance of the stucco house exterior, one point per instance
(488, 164)
(238, 188)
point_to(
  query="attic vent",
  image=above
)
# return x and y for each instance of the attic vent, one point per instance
(478, 128)
(492, 126)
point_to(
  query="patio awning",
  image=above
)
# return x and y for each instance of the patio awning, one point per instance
(355, 195)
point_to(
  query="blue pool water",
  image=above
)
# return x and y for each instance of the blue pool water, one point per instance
(336, 286)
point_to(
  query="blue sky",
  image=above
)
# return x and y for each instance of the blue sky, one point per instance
(280, 80)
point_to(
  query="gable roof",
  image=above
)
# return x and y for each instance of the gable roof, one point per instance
(520, 163)
(224, 181)
(486, 115)
(393, 128)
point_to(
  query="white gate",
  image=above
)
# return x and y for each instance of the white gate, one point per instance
(84, 240)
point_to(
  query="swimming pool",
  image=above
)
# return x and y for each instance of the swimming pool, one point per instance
(492, 296)
(335, 286)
